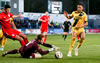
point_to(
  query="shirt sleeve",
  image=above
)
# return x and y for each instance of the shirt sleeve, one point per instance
(72, 14)
(0, 17)
(42, 17)
(40, 50)
(47, 45)
(85, 17)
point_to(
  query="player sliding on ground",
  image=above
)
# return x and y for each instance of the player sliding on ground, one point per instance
(79, 22)
(30, 50)
(6, 26)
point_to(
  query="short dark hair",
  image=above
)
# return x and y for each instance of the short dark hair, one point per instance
(81, 4)
(7, 6)
(46, 11)
(39, 37)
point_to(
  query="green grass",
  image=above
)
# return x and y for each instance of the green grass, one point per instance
(88, 53)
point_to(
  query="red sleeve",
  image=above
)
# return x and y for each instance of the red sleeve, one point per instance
(42, 17)
(0, 17)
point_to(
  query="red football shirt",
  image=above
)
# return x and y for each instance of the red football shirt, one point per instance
(5, 21)
(45, 24)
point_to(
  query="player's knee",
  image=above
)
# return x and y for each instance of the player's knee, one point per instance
(83, 38)
(24, 37)
(45, 33)
(73, 38)
(66, 34)
(73, 35)
(21, 39)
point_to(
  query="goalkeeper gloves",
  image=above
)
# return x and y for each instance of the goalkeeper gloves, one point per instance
(51, 49)
(55, 48)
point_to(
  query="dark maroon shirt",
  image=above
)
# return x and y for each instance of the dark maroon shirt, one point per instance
(33, 47)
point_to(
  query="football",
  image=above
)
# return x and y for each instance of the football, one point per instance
(58, 55)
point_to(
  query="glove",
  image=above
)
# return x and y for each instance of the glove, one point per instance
(55, 48)
(51, 49)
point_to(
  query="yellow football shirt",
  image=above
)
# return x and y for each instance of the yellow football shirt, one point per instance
(81, 19)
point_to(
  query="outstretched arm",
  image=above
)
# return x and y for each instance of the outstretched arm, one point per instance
(42, 52)
(15, 16)
(51, 46)
(66, 14)
(47, 45)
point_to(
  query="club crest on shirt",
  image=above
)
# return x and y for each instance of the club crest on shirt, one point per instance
(9, 15)
(13, 35)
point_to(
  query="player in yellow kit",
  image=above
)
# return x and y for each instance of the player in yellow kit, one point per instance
(3, 40)
(79, 22)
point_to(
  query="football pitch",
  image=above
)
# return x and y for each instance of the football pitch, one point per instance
(88, 53)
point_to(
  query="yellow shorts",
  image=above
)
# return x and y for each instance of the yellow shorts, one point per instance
(78, 31)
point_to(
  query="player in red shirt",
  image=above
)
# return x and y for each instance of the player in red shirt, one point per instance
(6, 26)
(44, 25)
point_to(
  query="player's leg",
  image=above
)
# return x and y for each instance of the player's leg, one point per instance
(24, 37)
(80, 43)
(17, 37)
(41, 33)
(3, 41)
(45, 35)
(15, 51)
(65, 35)
(81, 40)
(34, 55)
(42, 30)
(72, 43)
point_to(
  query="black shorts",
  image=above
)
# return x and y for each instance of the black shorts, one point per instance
(66, 30)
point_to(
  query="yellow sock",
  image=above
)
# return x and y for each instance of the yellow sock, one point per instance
(72, 44)
(4, 40)
(80, 43)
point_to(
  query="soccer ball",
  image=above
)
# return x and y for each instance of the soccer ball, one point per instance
(58, 55)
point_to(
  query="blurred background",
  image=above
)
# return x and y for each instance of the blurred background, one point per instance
(32, 10)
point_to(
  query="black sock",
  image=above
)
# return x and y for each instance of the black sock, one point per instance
(62, 35)
(12, 51)
(65, 37)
